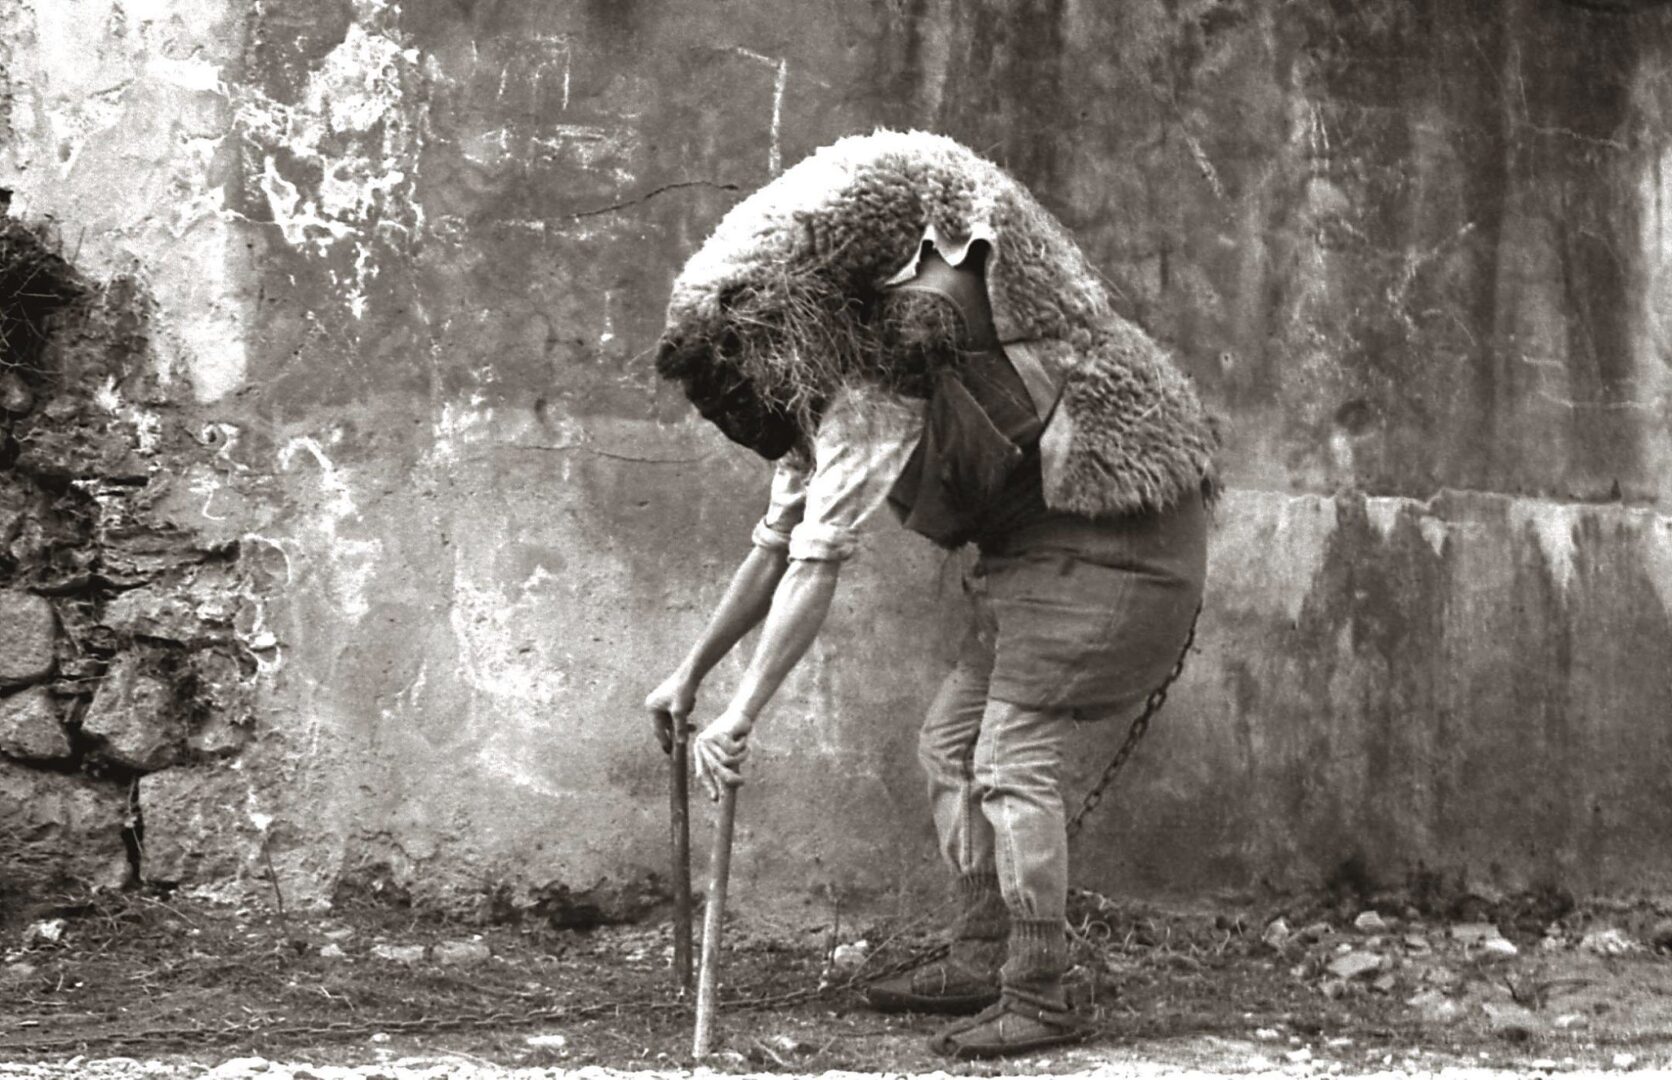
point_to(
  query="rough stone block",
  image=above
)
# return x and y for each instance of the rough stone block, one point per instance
(27, 631)
(60, 830)
(29, 726)
(197, 828)
(135, 715)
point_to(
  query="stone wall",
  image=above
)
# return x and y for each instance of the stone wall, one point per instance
(365, 525)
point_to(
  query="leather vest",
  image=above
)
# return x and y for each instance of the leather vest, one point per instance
(975, 471)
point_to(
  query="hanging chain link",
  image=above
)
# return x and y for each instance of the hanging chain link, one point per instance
(1152, 705)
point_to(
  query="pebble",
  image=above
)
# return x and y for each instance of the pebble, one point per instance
(1572, 1021)
(1266, 1034)
(462, 952)
(1370, 922)
(1299, 1057)
(1474, 933)
(846, 957)
(1436, 1008)
(401, 954)
(1355, 965)
(44, 932)
(547, 1042)
(1608, 942)
(331, 951)
(1661, 935)
(1624, 1061)
(1418, 944)
(1277, 933)
(1510, 1022)
(1501, 948)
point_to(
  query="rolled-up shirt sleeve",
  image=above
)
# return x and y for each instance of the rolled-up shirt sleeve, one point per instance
(863, 443)
(785, 507)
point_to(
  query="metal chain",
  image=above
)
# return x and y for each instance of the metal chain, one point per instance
(1152, 705)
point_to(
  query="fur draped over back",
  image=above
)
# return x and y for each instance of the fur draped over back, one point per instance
(786, 293)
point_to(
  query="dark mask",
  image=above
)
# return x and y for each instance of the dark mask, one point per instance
(727, 400)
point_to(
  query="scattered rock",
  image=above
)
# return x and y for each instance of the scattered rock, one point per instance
(546, 1041)
(1661, 935)
(1609, 941)
(1298, 1057)
(44, 932)
(197, 824)
(1385, 983)
(1418, 943)
(28, 630)
(1499, 948)
(1354, 965)
(331, 951)
(1277, 933)
(1572, 1021)
(29, 726)
(1468, 934)
(1267, 1034)
(1624, 1061)
(1511, 1022)
(849, 956)
(400, 954)
(15, 395)
(1317, 931)
(461, 952)
(1370, 922)
(1435, 1007)
(238, 1068)
(135, 717)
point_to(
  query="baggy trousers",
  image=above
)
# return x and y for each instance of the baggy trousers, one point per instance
(995, 771)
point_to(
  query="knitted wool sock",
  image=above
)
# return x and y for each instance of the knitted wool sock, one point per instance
(1037, 961)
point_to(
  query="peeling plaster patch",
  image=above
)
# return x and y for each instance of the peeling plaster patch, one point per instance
(350, 562)
(350, 122)
(1552, 524)
(1383, 513)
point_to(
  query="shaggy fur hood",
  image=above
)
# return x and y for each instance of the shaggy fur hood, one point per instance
(786, 297)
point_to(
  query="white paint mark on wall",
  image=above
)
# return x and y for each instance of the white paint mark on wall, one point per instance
(1383, 513)
(1657, 557)
(349, 562)
(1552, 524)
(1435, 532)
(780, 80)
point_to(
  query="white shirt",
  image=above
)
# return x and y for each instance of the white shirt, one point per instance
(863, 443)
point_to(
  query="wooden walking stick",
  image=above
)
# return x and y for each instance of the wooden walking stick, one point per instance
(708, 976)
(679, 816)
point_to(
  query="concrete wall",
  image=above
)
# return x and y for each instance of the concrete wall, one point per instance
(401, 265)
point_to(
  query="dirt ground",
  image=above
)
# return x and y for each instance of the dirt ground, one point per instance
(1310, 988)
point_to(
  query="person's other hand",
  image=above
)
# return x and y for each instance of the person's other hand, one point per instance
(670, 704)
(719, 752)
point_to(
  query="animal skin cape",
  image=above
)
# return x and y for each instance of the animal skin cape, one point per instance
(786, 292)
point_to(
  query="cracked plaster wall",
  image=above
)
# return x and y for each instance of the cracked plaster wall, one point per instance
(406, 261)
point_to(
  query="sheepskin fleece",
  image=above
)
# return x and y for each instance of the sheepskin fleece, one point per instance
(1130, 433)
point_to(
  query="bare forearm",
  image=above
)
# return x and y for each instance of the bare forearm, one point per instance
(745, 603)
(798, 610)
